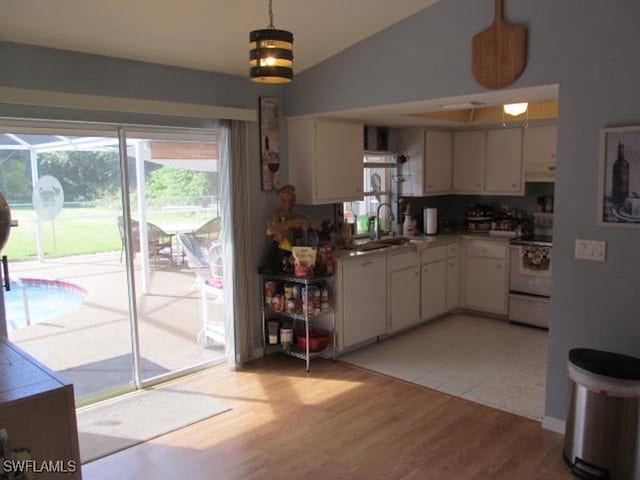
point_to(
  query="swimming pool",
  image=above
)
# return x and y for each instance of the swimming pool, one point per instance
(44, 300)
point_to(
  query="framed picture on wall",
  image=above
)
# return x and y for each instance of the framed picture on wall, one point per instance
(620, 176)
(269, 115)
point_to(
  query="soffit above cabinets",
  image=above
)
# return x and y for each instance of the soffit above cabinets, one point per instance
(546, 110)
(462, 111)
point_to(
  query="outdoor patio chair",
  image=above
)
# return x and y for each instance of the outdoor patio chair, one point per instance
(208, 232)
(135, 236)
(206, 263)
(207, 266)
(196, 258)
(160, 242)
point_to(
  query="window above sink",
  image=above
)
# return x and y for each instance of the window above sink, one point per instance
(378, 170)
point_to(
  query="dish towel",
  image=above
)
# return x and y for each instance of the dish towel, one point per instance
(535, 260)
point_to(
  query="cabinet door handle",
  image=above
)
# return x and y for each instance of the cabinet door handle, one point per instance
(552, 169)
(513, 185)
(367, 263)
(499, 267)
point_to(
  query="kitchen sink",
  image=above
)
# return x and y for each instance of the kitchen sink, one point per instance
(394, 241)
(373, 245)
(378, 244)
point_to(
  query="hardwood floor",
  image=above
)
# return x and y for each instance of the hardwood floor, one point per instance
(338, 422)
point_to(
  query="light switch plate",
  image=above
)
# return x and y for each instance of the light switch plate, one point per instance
(595, 250)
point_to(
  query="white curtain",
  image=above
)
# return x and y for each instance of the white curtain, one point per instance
(236, 237)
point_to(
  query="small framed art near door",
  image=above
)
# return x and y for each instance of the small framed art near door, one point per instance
(269, 114)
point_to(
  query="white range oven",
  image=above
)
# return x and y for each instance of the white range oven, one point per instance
(530, 281)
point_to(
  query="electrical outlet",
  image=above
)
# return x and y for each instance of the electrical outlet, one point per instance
(591, 250)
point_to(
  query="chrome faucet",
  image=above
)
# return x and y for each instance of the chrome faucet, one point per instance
(392, 217)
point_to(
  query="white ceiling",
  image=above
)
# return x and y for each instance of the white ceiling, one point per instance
(210, 35)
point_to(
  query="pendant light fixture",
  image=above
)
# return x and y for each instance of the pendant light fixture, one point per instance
(271, 54)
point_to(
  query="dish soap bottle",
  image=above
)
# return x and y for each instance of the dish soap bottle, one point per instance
(409, 224)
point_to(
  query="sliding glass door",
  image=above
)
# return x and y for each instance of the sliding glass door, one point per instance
(116, 262)
(175, 209)
(68, 303)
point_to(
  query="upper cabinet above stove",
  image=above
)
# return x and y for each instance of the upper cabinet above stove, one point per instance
(488, 162)
(539, 153)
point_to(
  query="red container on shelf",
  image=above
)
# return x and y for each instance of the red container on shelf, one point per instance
(279, 304)
(318, 340)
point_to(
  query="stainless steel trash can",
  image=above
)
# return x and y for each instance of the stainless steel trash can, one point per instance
(601, 438)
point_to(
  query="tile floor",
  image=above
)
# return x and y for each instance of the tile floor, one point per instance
(484, 360)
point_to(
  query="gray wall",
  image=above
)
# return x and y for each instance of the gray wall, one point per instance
(589, 48)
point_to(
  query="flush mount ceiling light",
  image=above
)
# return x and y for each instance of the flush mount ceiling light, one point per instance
(515, 109)
(271, 54)
(461, 105)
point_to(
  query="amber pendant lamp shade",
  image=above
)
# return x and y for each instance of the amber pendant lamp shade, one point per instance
(271, 54)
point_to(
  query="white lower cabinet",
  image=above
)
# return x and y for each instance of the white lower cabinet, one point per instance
(404, 290)
(382, 294)
(363, 302)
(485, 277)
(433, 295)
(453, 283)
(404, 298)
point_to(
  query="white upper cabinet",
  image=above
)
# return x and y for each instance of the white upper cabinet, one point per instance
(469, 150)
(438, 162)
(325, 160)
(504, 162)
(430, 161)
(539, 149)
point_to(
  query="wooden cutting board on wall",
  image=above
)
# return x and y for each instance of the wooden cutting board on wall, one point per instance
(499, 53)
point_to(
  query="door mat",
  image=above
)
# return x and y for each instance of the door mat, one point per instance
(137, 417)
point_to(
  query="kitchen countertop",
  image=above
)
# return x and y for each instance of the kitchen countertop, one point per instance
(415, 244)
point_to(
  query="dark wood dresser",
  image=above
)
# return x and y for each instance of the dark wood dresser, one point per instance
(37, 408)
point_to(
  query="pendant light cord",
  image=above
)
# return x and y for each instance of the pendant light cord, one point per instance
(270, 16)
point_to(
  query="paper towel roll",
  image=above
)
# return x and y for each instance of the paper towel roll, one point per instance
(430, 217)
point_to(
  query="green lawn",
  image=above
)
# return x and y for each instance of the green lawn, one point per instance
(78, 231)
